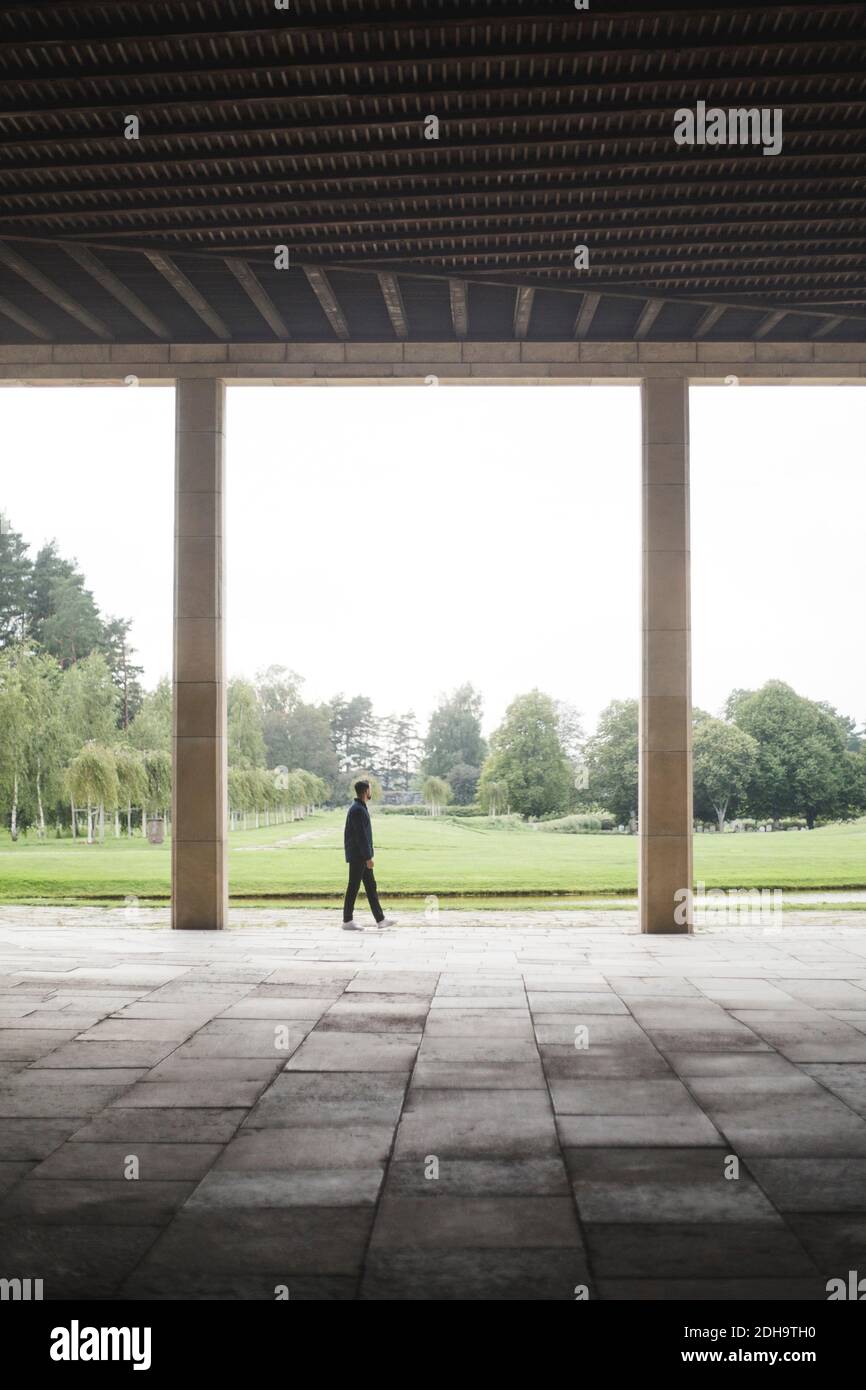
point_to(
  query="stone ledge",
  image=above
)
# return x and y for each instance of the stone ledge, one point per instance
(160, 363)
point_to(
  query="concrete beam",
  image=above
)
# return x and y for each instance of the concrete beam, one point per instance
(589, 362)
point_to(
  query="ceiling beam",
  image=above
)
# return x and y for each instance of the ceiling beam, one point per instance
(420, 150)
(647, 237)
(11, 311)
(390, 125)
(506, 208)
(574, 47)
(648, 316)
(323, 290)
(115, 287)
(523, 311)
(851, 307)
(586, 314)
(708, 320)
(393, 297)
(55, 293)
(459, 297)
(707, 83)
(411, 17)
(256, 291)
(769, 323)
(188, 292)
(829, 326)
(458, 179)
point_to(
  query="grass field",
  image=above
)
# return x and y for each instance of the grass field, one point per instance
(415, 856)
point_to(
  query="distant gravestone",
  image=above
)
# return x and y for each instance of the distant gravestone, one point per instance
(155, 830)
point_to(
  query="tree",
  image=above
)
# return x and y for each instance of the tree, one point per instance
(526, 754)
(89, 698)
(493, 796)
(152, 726)
(246, 740)
(463, 781)
(64, 618)
(158, 770)
(124, 672)
(50, 745)
(92, 780)
(240, 794)
(353, 731)
(454, 733)
(436, 793)
(17, 681)
(16, 578)
(301, 737)
(724, 760)
(132, 782)
(406, 748)
(611, 757)
(278, 689)
(803, 766)
(570, 730)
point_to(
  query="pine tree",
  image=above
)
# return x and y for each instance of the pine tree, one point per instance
(16, 582)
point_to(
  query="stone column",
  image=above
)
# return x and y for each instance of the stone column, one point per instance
(199, 871)
(665, 815)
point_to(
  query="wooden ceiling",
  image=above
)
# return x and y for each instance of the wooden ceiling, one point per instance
(305, 127)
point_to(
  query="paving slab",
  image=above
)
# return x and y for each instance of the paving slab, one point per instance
(312, 1099)
(474, 1275)
(96, 1202)
(476, 1223)
(318, 1146)
(87, 1261)
(352, 1051)
(161, 1161)
(482, 1177)
(161, 1125)
(621, 1185)
(701, 1251)
(284, 1241)
(456, 1124)
(298, 1187)
(828, 1185)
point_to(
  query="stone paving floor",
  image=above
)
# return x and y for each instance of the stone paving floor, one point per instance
(494, 1106)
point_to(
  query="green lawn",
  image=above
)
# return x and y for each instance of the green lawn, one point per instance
(416, 856)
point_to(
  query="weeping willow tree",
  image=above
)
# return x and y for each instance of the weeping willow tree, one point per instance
(272, 792)
(157, 797)
(436, 793)
(91, 781)
(132, 784)
(493, 796)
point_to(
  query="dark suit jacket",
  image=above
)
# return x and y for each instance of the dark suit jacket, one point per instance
(358, 834)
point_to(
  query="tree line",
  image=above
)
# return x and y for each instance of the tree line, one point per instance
(80, 738)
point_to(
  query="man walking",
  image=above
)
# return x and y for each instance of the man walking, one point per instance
(358, 844)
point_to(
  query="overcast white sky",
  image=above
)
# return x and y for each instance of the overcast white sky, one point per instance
(399, 542)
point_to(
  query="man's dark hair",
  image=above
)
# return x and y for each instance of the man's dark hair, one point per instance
(361, 787)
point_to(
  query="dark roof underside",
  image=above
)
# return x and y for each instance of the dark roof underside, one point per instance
(305, 127)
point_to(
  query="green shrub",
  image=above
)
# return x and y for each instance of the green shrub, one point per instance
(579, 824)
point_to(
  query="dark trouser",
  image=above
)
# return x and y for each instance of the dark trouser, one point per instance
(358, 874)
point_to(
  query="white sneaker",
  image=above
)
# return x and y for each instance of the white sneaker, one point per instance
(387, 922)
(352, 926)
